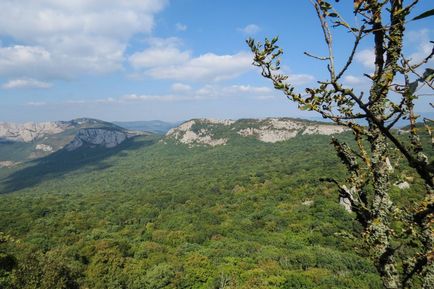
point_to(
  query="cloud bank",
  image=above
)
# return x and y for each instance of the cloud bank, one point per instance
(61, 39)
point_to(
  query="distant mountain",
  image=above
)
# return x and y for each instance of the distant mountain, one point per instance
(155, 126)
(211, 132)
(22, 142)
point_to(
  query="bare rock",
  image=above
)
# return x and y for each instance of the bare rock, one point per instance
(45, 148)
(265, 134)
(184, 133)
(270, 130)
(30, 131)
(276, 130)
(345, 202)
(97, 136)
(324, 129)
(8, 164)
(403, 185)
(308, 203)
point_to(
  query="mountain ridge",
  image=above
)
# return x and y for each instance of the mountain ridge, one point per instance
(214, 132)
(32, 140)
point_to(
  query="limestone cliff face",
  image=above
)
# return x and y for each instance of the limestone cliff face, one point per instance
(30, 131)
(97, 136)
(275, 130)
(44, 148)
(36, 140)
(218, 132)
(185, 133)
(7, 164)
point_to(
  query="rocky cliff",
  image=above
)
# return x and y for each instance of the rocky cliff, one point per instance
(30, 131)
(21, 142)
(97, 136)
(271, 130)
(186, 133)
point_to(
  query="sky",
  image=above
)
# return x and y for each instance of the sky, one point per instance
(169, 60)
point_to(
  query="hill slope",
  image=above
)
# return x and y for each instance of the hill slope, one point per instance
(218, 132)
(23, 142)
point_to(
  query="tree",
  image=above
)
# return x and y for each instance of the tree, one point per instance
(37, 270)
(7, 262)
(399, 239)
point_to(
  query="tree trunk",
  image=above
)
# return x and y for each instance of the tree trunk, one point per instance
(379, 229)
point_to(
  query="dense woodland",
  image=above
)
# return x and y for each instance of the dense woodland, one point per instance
(153, 214)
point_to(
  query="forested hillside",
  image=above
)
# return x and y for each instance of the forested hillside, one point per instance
(155, 213)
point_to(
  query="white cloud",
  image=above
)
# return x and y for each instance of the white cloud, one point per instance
(366, 57)
(36, 103)
(182, 92)
(296, 79)
(181, 88)
(164, 59)
(421, 41)
(15, 59)
(26, 83)
(354, 80)
(156, 97)
(265, 97)
(418, 36)
(161, 52)
(37, 61)
(255, 92)
(417, 44)
(249, 89)
(206, 67)
(181, 27)
(107, 100)
(424, 49)
(157, 56)
(45, 19)
(74, 37)
(250, 29)
(239, 90)
(300, 79)
(158, 42)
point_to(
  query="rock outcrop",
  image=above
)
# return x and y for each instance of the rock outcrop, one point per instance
(8, 164)
(44, 147)
(37, 140)
(97, 136)
(402, 185)
(346, 204)
(187, 135)
(275, 130)
(30, 131)
(271, 130)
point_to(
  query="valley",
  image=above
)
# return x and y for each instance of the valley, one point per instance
(188, 210)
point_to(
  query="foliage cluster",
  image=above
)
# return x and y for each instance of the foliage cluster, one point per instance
(244, 215)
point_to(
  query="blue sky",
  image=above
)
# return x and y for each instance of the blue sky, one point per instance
(169, 60)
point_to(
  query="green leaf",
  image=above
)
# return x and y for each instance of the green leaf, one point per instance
(428, 75)
(325, 5)
(412, 87)
(305, 107)
(425, 14)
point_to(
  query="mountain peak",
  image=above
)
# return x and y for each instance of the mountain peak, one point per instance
(34, 140)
